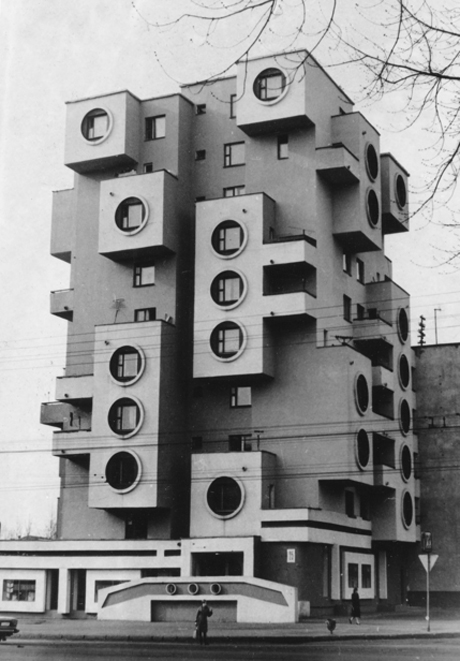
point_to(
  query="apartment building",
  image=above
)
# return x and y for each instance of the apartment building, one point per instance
(235, 417)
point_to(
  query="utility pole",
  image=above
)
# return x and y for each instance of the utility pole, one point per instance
(421, 331)
(436, 310)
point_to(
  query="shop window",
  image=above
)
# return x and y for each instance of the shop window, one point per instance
(234, 191)
(269, 85)
(122, 471)
(240, 397)
(124, 416)
(234, 154)
(353, 575)
(283, 147)
(224, 496)
(360, 273)
(95, 125)
(155, 127)
(227, 288)
(227, 238)
(126, 364)
(145, 314)
(227, 339)
(17, 590)
(143, 276)
(366, 576)
(346, 308)
(130, 214)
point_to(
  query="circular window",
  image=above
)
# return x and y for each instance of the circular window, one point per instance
(406, 462)
(404, 416)
(403, 325)
(407, 509)
(228, 238)
(122, 471)
(403, 371)
(96, 125)
(269, 85)
(126, 365)
(372, 162)
(228, 289)
(372, 207)
(126, 416)
(228, 340)
(361, 394)
(363, 448)
(131, 215)
(401, 191)
(225, 497)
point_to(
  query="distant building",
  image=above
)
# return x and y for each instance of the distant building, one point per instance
(235, 417)
(438, 418)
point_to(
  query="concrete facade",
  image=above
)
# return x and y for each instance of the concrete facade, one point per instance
(238, 382)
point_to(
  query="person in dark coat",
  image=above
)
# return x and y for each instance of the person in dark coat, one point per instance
(355, 607)
(201, 622)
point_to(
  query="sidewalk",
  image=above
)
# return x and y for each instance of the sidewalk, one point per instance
(395, 625)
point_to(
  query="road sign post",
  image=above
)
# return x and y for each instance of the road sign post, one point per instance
(428, 561)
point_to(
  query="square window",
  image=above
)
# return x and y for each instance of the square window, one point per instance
(346, 263)
(283, 147)
(353, 575)
(360, 270)
(229, 239)
(144, 276)
(200, 109)
(145, 314)
(232, 106)
(240, 397)
(148, 167)
(234, 154)
(346, 308)
(234, 191)
(200, 154)
(155, 127)
(366, 576)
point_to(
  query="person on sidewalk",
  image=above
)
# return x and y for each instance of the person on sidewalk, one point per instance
(201, 623)
(355, 607)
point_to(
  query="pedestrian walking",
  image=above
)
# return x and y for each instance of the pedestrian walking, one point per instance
(355, 607)
(201, 623)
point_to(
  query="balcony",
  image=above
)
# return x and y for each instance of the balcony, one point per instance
(138, 215)
(62, 226)
(66, 417)
(290, 249)
(103, 133)
(382, 377)
(383, 451)
(74, 388)
(62, 303)
(337, 165)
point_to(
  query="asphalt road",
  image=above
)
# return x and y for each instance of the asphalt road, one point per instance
(364, 650)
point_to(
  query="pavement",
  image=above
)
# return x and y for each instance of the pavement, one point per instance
(410, 623)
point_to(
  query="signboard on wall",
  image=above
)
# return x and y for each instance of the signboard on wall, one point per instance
(290, 555)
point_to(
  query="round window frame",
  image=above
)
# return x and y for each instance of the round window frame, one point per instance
(360, 410)
(403, 385)
(401, 426)
(405, 477)
(224, 517)
(360, 465)
(407, 524)
(232, 306)
(139, 472)
(243, 243)
(398, 176)
(109, 127)
(366, 160)
(375, 225)
(223, 359)
(138, 427)
(125, 384)
(398, 324)
(272, 102)
(144, 221)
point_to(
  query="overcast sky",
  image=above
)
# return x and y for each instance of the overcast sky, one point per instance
(53, 51)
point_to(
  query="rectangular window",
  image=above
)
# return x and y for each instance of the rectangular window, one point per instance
(240, 397)
(197, 443)
(200, 154)
(127, 365)
(234, 154)
(232, 106)
(228, 341)
(145, 314)
(200, 109)
(350, 504)
(360, 270)
(18, 590)
(283, 147)
(97, 126)
(366, 576)
(234, 191)
(360, 311)
(132, 215)
(228, 289)
(353, 575)
(144, 276)
(155, 127)
(346, 308)
(346, 263)
(229, 238)
(235, 443)
(148, 167)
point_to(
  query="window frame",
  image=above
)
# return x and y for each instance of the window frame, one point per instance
(347, 306)
(218, 340)
(229, 156)
(222, 481)
(200, 154)
(347, 263)
(138, 270)
(152, 314)
(152, 128)
(220, 239)
(237, 191)
(261, 88)
(20, 587)
(283, 146)
(119, 410)
(360, 271)
(122, 215)
(235, 397)
(135, 481)
(118, 366)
